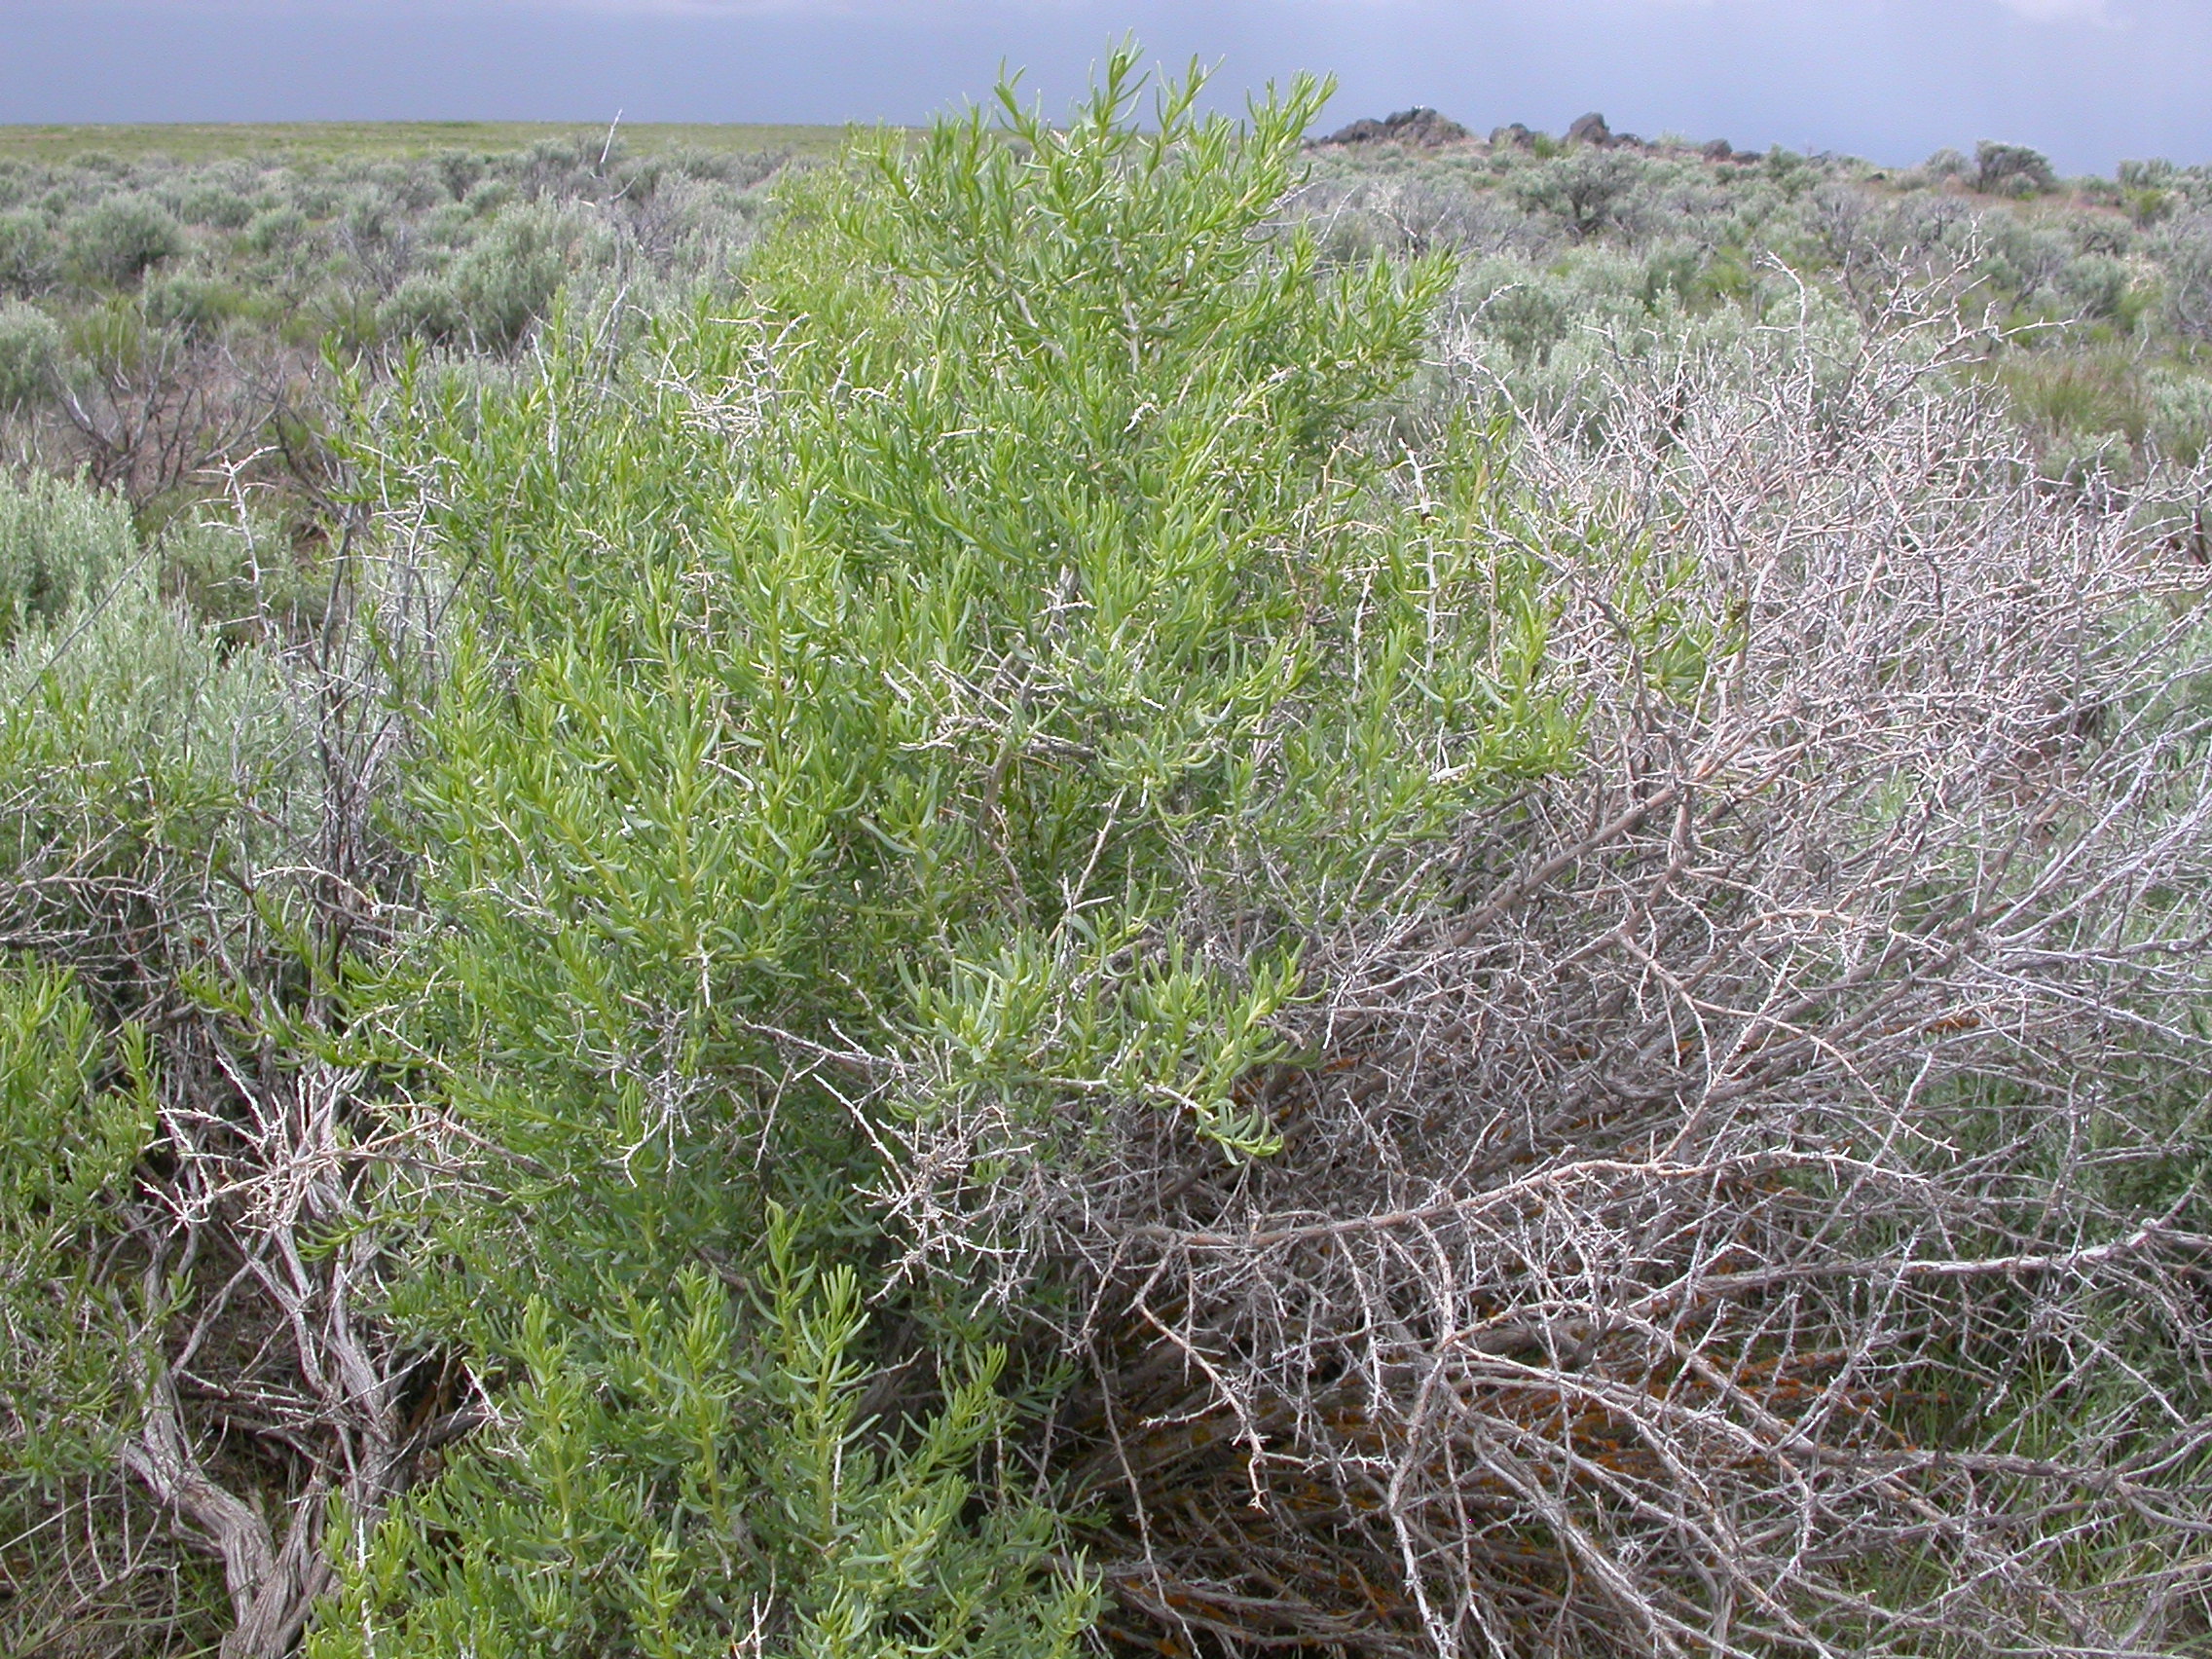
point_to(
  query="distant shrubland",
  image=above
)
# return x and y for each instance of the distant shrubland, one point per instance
(160, 319)
(2095, 294)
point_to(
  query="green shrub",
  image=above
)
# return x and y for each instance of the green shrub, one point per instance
(108, 341)
(76, 1111)
(1946, 163)
(2096, 285)
(243, 576)
(155, 774)
(2102, 233)
(368, 218)
(29, 261)
(459, 172)
(196, 305)
(276, 230)
(2187, 246)
(2011, 169)
(2180, 415)
(119, 237)
(2084, 411)
(492, 295)
(865, 693)
(2147, 208)
(1524, 309)
(59, 542)
(68, 1138)
(30, 353)
(1677, 270)
(889, 663)
(2078, 456)
(2024, 258)
(218, 204)
(411, 186)
(1588, 191)
(696, 1470)
(488, 198)
(151, 782)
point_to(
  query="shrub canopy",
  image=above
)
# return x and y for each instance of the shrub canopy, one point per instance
(861, 696)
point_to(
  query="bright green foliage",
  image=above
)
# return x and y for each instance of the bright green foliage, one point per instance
(688, 1474)
(855, 700)
(69, 1135)
(76, 1112)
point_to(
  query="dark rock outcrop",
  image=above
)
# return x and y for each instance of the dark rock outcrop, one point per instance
(1419, 127)
(1591, 129)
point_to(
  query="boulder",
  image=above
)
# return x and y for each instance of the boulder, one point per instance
(1718, 150)
(1421, 127)
(1513, 137)
(1590, 129)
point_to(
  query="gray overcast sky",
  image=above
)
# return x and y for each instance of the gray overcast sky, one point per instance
(2090, 81)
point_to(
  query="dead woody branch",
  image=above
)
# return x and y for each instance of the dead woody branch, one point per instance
(1741, 1216)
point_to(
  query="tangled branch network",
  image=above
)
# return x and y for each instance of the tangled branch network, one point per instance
(1751, 1210)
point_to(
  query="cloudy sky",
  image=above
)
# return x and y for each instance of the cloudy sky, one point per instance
(2088, 81)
